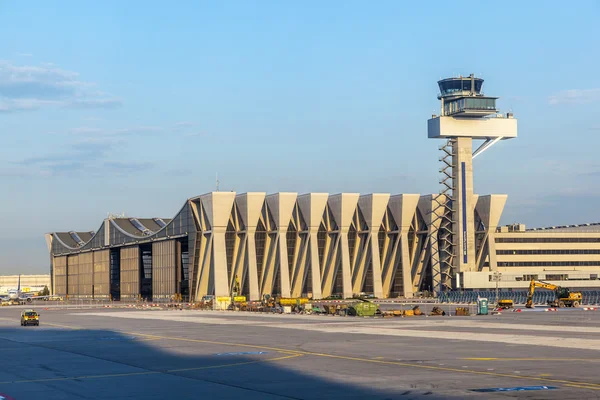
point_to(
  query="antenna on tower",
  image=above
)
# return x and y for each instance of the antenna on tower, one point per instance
(217, 181)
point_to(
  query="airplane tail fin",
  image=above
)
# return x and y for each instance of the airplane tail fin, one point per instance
(19, 284)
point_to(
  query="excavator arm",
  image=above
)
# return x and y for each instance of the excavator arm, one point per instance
(532, 285)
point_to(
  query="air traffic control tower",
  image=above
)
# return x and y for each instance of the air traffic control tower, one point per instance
(466, 115)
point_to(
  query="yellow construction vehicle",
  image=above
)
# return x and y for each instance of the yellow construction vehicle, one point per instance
(295, 301)
(505, 304)
(564, 296)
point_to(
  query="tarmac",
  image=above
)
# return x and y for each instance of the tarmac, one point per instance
(104, 353)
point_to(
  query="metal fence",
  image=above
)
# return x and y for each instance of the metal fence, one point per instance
(589, 297)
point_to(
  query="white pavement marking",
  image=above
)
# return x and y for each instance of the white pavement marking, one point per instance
(548, 341)
(389, 329)
(499, 325)
(218, 318)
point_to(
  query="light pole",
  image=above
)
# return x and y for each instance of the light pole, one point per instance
(496, 276)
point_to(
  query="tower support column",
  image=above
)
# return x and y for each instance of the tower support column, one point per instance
(463, 226)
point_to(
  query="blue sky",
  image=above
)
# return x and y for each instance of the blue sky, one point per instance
(134, 106)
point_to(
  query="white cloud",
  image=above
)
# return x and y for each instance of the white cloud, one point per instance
(24, 55)
(575, 96)
(95, 103)
(28, 87)
(194, 134)
(90, 152)
(138, 130)
(86, 130)
(8, 105)
(91, 118)
(98, 132)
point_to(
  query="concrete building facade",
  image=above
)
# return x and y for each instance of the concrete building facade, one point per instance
(313, 244)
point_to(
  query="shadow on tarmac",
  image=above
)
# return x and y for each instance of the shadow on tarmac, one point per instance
(50, 363)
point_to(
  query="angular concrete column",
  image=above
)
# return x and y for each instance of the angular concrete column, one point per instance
(250, 206)
(403, 208)
(490, 209)
(49, 237)
(214, 213)
(312, 206)
(373, 208)
(280, 206)
(342, 207)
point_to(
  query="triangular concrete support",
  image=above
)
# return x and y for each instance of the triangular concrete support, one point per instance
(212, 264)
(373, 208)
(489, 208)
(312, 206)
(249, 206)
(402, 207)
(280, 207)
(342, 206)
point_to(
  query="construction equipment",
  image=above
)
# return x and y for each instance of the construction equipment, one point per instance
(268, 301)
(505, 304)
(269, 304)
(564, 296)
(363, 308)
(437, 311)
(238, 303)
(462, 311)
(285, 301)
(417, 310)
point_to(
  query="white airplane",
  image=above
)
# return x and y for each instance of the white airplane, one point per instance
(16, 295)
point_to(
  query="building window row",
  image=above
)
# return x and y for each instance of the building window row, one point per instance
(553, 251)
(548, 240)
(549, 264)
(556, 277)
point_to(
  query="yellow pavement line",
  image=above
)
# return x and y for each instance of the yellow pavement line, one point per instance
(80, 377)
(62, 326)
(148, 372)
(253, 346)
(45, 323)
(584, 385)
(235, 364)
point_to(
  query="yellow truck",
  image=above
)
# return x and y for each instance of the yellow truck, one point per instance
(30, 317)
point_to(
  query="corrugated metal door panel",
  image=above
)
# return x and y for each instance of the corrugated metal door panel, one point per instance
(85, 274)
(60, 285)
(101, 274)
(130, 273)
(60, 275)
(163, 269)
(73, 275)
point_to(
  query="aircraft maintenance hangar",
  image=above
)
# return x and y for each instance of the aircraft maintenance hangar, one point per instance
(312, 244)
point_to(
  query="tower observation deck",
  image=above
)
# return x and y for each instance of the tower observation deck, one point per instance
(466, 114)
